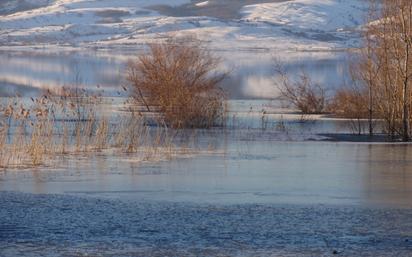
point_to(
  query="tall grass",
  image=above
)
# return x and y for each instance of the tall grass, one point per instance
(71, 122)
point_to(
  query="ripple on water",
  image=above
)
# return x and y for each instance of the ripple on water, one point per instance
(47, 225)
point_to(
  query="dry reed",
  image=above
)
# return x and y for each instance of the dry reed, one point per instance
(33, 132)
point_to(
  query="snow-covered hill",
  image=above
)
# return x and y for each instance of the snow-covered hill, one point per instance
(294, 24)
(13, 6)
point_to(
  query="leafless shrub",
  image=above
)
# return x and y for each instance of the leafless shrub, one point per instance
(304, 94)
(349, 102)
(178, 79)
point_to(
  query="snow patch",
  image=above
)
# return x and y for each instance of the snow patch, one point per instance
(201, 4)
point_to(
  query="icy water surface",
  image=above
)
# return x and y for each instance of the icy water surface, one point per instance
(252, 189)
(253, 169)
(250, 197)
(57, 225)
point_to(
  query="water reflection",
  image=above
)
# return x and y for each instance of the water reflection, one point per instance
(251, 72)
(387, 171)
(257, 171)
(27, 73)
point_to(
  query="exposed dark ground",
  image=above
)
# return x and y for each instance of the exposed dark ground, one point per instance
(356, 138)
(59, 225)
(229, 9)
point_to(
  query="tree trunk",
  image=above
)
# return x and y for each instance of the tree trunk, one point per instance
(405, 97)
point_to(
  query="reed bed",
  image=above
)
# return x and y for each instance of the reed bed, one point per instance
(36, 131)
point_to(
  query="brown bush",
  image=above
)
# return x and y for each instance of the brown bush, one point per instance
(349, 103)
(178, 80)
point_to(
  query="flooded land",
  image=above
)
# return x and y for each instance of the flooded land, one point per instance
(242, 190)
(248, 197)
(269, 184)
(87, 171)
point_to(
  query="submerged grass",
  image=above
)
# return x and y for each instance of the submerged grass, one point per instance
(33, 132)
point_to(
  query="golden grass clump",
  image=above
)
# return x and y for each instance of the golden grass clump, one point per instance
(36, 131)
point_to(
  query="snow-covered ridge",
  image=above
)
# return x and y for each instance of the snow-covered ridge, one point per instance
(315, 15)
(294, 24)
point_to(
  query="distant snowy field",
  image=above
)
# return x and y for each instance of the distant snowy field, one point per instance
(309, 25)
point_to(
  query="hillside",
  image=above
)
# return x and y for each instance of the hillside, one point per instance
(243, 24)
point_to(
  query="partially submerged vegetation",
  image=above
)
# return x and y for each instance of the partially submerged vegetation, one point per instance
(380, 77)
(176, 82)
(179, 80)
(381, 71)
(349, 103)
(303, 93)
(34, 131)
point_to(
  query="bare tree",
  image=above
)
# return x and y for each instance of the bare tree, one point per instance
(393, 34)
(383, 67)
(179, 80)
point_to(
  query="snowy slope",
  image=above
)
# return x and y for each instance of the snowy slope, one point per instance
(13, 6)
(336, 21)
(313, 15)
(295, 24)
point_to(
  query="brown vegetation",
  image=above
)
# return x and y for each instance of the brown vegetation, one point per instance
(178, 79)
(36, 131)
(381, 73)
(351, 103)
(383, 70)
(304, 94)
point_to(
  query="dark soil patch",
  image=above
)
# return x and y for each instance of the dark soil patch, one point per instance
(227, 10)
